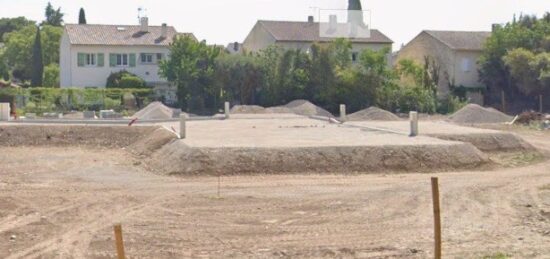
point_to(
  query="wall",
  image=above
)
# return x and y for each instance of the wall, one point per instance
(425, 45)
(467, 78)
(258, 39)
(74, 76)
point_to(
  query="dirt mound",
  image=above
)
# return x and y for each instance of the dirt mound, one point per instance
(247, 109)
(72, 135)
(176, 158)
(152, 141)
(372, 114)
(155, 111)
(473, 113)
(306, 108)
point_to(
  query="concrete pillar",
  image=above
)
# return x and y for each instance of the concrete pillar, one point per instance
(226, 110)
(343, 112)
(5, 111)
(413, 116)
(183, 129)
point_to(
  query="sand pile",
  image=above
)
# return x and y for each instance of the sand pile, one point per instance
(278, 109)
(473, 113)
(155, 111)
(373, 114)
(247, 109)
(306, 108)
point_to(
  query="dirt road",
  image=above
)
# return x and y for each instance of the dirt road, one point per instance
(62, 203)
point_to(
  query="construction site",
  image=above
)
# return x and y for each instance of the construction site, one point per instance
(291, 181)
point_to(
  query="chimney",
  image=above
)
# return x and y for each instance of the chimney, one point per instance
(333, 22)
(310, 18)
(164, 31)
(144, 22)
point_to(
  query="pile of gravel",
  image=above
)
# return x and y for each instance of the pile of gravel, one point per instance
(155, 111)
(372, 114)
(473, 113)
(247, 109)
(306, 108)
(279, 109)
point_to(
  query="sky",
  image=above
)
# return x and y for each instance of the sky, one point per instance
(224, 21)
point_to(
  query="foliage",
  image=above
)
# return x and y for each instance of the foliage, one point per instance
(528, 33)
(37, 66)
(19, 47)
(53, 17)
(51, 75)
(40, 100)
(192, 68)
(81, 16)
(124, 79)
(530, 71)
(13, 24)
(238, 76)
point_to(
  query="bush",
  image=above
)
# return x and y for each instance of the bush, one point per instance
(450, 104)
(51, 75)
(124, 79)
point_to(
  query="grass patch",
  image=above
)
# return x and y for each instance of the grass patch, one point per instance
(517, 159)
(498, 255)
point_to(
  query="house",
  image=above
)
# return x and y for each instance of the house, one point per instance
(456, 53)
(90, 53)
(234, 48)
(301, 35)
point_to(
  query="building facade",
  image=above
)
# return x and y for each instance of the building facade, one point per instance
(90, 53)
(455, 52)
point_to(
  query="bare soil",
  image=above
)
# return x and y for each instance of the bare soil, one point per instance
(61, 202)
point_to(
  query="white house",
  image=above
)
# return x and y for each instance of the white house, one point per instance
(89, 53)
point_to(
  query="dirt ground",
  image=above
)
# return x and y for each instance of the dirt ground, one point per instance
(59, 202)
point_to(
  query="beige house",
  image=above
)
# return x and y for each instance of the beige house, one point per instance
(456, 52)
(301, 35)
(90, 53)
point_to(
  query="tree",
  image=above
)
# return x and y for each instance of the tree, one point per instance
(191, 67)
(81, 16)
(530, 71)
(51, 75)
(37, 69)
(53, 17)
(13, 24)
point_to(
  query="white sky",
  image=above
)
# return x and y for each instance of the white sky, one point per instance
(224, 21)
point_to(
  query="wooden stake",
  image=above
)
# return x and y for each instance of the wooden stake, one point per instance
(437, 217)
(119, 242)
(219, 184)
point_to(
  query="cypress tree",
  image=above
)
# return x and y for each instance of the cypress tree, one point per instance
(82, 17)
(354, 5)
(37, 66)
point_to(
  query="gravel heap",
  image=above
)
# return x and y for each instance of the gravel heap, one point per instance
(372, 114)
(247, 109)
(278, 109)
(306, 108)
(473, 113)
(155, 111)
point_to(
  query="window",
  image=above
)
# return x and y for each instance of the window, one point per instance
(90, 60)
(159, 57)
(122, 59)
(466, 65)
(354, 56)
(146, 58)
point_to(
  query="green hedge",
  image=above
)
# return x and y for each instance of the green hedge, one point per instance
(39, 100)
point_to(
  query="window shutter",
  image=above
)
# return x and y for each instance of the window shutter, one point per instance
(132, 61)
(112, 60)
(100, 59)
(81, 59)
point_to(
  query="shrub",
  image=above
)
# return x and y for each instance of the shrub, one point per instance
(124, 79)
(51, 75)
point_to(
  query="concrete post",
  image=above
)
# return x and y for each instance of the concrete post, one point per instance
(183, 129)
(413, 116)
(342, 112)
(226, 110)
(5, 111)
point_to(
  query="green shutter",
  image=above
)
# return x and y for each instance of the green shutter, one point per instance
(100, 59)
(81, 59)
(112, 60)
(132, 57)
